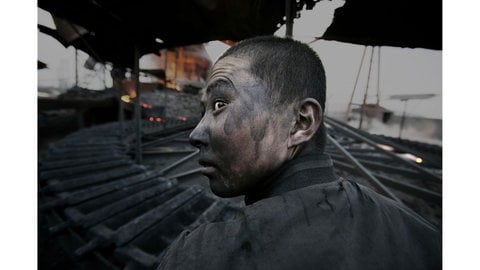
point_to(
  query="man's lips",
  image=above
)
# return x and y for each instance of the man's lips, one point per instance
(208, 166)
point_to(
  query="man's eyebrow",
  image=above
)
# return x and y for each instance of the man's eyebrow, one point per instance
(221, 83)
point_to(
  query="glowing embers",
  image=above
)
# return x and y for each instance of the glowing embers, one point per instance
(406, 156)
(181, 118)
(145, 105)
(155, 119)
(411, 157)
(126, 98)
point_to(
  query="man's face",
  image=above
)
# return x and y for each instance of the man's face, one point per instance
(241, 138)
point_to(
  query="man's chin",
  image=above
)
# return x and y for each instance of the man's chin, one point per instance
(221, 190)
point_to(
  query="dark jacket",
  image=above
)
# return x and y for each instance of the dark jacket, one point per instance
(308, 218)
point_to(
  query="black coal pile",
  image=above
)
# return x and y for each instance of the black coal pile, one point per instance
(175, 103)
(79, 93)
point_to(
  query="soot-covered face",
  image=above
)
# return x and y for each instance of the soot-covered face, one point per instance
(241, 137)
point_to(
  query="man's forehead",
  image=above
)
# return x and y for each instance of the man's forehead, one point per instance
(229, 66)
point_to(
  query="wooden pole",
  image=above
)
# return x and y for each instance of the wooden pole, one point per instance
(402, 121)
(362, 109)
(349, 107)
(76, 68)
(289, 19)
(138, 108)
(378, 77)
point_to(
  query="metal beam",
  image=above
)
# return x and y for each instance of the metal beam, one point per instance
(289, 19)
(362, 170)
(418, 192)
(429, 175)
(381, 166)
(395, 145)
(138, 109)
(178, 162)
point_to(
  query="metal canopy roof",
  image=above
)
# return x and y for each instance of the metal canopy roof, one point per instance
(111, 30)
(407, 23)
(116, 28)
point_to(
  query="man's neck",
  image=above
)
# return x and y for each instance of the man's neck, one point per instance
(307, 168)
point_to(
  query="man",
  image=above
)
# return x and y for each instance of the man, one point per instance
(262, 136)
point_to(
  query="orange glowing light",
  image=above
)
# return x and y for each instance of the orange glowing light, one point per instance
(386, 147)
(151, 118)
(158, 119)
(182, 118)
(125, 98)
(146, 106)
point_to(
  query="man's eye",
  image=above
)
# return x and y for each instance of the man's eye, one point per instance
(218, 105)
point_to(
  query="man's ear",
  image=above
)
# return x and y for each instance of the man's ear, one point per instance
(308, 116)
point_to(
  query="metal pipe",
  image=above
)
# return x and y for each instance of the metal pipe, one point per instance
(402, 121)
(79, 170)
(138, 109)
(178, 162)
(378, 76)
(165, 139)
(74, 155)
(76, 239)
(362, 170)
(419, 192)
(104, 235)
(209, 215)
(70, 198)
(76, 67)
(349, 107)
(52, 165)
(382, 166)
(157, 151)
(183, 174)
(121, 116)
(289, 19)
(112, 209)
(391, 143)
(136, 226)
(425, 172)
(89, 179)
(362, 109)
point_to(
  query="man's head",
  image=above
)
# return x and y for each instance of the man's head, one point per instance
(264, 104)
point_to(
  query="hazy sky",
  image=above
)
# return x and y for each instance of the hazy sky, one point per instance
(402, 71)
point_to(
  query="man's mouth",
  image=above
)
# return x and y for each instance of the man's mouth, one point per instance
(208, 167)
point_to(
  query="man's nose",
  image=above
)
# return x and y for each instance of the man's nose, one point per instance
(199, 136)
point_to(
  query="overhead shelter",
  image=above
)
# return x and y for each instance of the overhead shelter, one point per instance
(110, 30)
(407, 23)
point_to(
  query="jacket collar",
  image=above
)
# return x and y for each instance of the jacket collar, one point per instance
(306, 170)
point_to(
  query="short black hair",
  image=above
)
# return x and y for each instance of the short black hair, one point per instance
(291, 70)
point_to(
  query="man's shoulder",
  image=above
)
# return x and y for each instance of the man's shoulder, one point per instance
(300, 227)
(210, 246)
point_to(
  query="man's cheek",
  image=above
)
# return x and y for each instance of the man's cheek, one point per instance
(238, 114)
